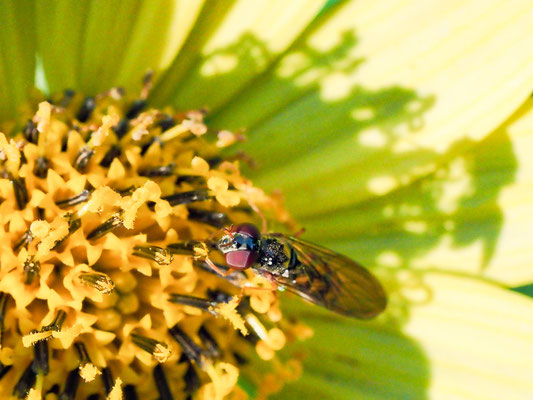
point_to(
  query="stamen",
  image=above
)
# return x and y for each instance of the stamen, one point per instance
(157, 349)
(42, 164)
(99, 281)
(111, 224)
(111, 154)
(135, 109)
(147, 145)
(82, 353)
(71, 386)
(83, 158)
(192, 301)
(154, 253)
(127, 191)
(21, 192)
(31, 270)
(130, 393)
(73, 225)
(54, 389)
(68, 95)
(161, 383)
(166, 123)
(74, 200)
(121, 128)
(24, 241)
(164, 170)
(184, 248)
(86, 109)
(25, 383)
(30, 132)
(187, 197)
(192, 380)
(4, 369)
(40, 353)
(56, 323)
(194, 179)
(193, 352)
(107, 379)
(213, 218)
(3, 305)
(210, 345)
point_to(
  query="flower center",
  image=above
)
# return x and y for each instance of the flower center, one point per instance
(110, 216)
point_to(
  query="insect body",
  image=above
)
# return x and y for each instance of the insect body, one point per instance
(315, 273)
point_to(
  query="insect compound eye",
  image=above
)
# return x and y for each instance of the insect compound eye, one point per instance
(241, 259)
(247, 229)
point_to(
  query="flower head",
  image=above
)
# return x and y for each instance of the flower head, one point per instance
(395, 132)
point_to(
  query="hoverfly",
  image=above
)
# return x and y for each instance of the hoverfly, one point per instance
(314, 273)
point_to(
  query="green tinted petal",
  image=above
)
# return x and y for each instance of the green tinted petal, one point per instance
(231, 44)
(443, 337)
(472, 215)
(93, 45)
(17, 54)
(378, 93)
(60, 26)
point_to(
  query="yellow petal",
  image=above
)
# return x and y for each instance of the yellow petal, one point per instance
(449, 338)
(230, 45)
(377, 92)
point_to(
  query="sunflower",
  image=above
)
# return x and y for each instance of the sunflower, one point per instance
(394, 132)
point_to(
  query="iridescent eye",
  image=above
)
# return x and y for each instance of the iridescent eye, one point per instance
(241, 259)
(247, 229)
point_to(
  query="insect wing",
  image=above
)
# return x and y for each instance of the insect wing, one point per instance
(331, 280)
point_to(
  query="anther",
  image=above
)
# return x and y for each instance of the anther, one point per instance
(111, 224)
(216, 219)
(71, 385)
(21, 192)
(82, 353)
(83, 158)
(24, 241)
(40, 169)
(157, 349)
(166, 123)
(184, 248)
(191, 350)
(187, 197)
(56, 323)
(84, 196)
(30, 132)
(107, 379)
(155, 253)
(73, 225)
(192, 301)
(98, 280)
(113, 152)
(161, 383)
(4, 369)
(40, 353)
(135, 109)
(192, 380)
(121, 128)
(68, 95)
(130, 393)
(210, 345)
(25, 383)
(31, 269)
(3, 305)
(164, 170)
(86, 109)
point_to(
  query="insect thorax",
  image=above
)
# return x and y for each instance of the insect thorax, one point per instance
(273, 256)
